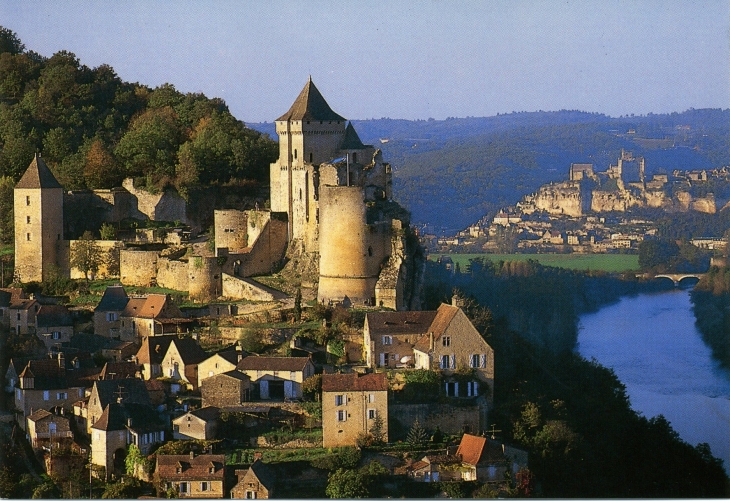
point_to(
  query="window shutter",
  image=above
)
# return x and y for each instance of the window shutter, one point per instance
(484, 360)
(453, 361)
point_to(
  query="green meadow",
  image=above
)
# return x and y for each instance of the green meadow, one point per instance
(604, 262)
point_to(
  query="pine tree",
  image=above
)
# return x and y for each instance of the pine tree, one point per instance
(417, 434)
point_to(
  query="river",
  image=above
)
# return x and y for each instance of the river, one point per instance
(653, 346)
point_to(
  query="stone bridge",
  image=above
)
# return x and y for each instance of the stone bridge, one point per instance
(678, 277)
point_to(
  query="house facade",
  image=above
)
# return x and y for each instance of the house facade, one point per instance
(256, 482)
(53, 325)
(219, 363)
(200, 424)
(181, 361)
(105, 392)
(350, 405)
(150, 355)
(191, 475)
(277, 377)
(389, 336)
(107, 313)
(46, 428)
(226, 390)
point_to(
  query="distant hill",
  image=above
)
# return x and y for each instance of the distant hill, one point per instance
(451, 172)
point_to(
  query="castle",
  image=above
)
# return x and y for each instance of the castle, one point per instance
(331, 199)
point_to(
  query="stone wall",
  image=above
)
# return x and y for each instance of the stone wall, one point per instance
(137, 267)
(165, 206)
(204, 278)
(172, 273)
(244, 289)
(449, 418)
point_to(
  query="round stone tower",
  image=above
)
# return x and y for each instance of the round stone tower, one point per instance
(348, 264)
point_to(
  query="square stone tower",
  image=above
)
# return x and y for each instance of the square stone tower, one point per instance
(38, 206)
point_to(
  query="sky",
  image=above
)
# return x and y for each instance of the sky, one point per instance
(402, 59)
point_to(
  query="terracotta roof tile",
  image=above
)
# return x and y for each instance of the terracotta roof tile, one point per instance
(355, 382)
(471, 448)
(195, 468)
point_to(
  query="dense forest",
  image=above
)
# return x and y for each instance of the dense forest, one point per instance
(711, 304)
(93, 129)
(571, 414)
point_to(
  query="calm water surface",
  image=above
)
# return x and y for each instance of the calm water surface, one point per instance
(653, 346)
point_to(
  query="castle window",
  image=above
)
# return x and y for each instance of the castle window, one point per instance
(371, 413)
(295, 153)
(310, 158)
(27, 236)
(370, 251)
(27, 219)
(446, 340)
(27, 200)
(341, 416)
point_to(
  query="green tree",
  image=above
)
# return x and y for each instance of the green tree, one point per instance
(6, 210)
(417, 435)
(86, 255)
(347, 484)
(312, 386)
(298, 305)
(9, 42)
(378, 429)
(107, 232)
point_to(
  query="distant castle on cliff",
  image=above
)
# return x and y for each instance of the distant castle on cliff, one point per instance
(331, 199)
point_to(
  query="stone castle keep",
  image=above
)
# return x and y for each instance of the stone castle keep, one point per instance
(331, 201)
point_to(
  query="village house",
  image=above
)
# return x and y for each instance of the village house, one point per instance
(389, 336)
(487, 460)
(121, 424)
(105, 392)
(350, 405)
(153, 315)
(277, 377)
(53, 325)
(120, 350)
(21, 315)
(256, 482)
(119, 370)
(150, 355)
(218, 363)
(8, 297)
(228, 389)
(435, 468)
(453, 343)
(45, 428)
(44, 384)
(192, 476)
(198, 424)
(181, 361)
(106, 314)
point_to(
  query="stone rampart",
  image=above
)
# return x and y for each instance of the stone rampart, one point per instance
(137, 267)
(172, 273)
(204, 277)
(234, 287)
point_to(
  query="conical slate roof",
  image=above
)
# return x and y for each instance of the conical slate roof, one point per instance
(38, 175)
(352, 140)
(310, 105)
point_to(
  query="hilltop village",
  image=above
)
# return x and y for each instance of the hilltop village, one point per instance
(596, 211)
(301, 333)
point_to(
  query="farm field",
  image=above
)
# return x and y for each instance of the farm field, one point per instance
(604, 262)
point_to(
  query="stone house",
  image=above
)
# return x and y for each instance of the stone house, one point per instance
(191, 476)
(181, 361)
(277, 377)
(153, 315)
(487, 460)
(223, 361)
(53, 325)
(21, 316)
(105, 392)
(435, 468)
(350, 405)
(120, 425)
(120, 350)
(150, 355)
(46, 428)
(199, 424)
(256, 482)
(9, 296)
(228, 389)
(389, 336)
(453, 343)
(44, 384)
(106, 314)
(12, 376)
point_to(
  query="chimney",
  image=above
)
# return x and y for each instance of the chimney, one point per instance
(61, 360)
(430, 341)
(257, 456)
(129, 422)
(192, 455)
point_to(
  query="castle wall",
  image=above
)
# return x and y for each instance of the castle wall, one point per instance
(172, 273)
(204, 278)
(38, 215)
(231, 230)
(349, 257)
(165, 206)
(137, 267)
(234, 287)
